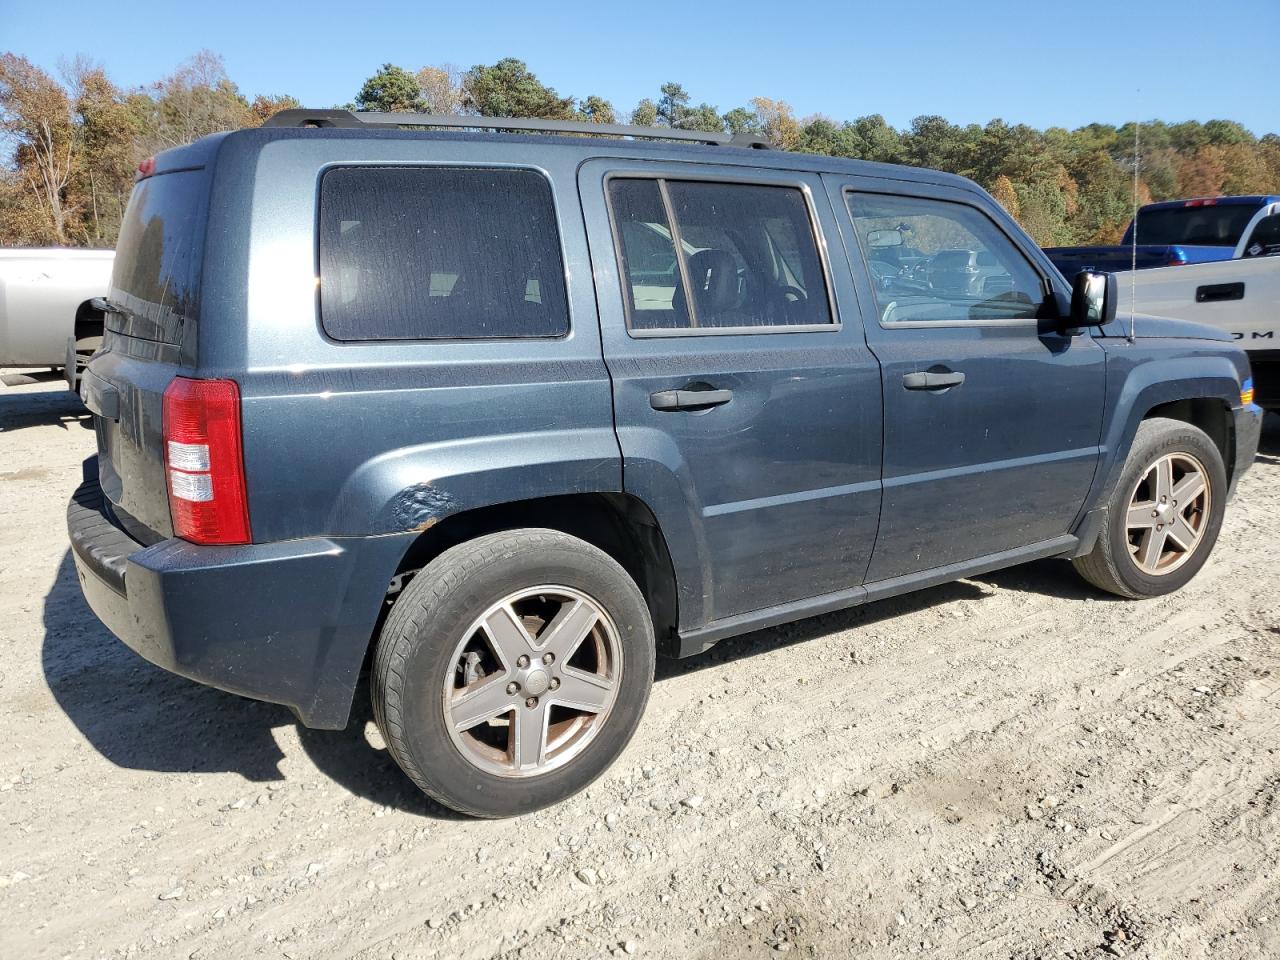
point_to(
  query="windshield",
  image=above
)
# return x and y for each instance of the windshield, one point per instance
(1209, 226)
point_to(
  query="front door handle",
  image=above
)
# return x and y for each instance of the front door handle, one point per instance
(689, 399)
(932, 381)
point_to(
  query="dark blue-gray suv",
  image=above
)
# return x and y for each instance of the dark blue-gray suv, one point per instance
(504, 415)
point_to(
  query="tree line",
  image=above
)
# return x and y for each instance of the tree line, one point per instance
(71, 143)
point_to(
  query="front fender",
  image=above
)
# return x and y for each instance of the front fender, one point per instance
(414, 488)
(1137, 383)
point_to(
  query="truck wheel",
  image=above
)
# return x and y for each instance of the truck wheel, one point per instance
(1164, 515)
(512, 671)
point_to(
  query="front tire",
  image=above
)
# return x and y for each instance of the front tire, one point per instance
(512, 671)
(1163, 517)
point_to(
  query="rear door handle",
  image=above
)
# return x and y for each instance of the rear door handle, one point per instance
(932, 381)
(689, 399)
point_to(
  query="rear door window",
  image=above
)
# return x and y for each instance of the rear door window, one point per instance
(423, 253)
(699, 255)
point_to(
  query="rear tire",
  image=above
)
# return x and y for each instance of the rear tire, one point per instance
(1151, 543)
(486, 631)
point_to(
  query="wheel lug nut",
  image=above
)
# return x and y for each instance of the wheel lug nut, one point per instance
(1155, 513)
(548, 657)
(513, 688)
(531, 702)
(522, 661)
(555, 683)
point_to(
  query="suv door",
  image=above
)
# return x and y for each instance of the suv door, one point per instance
(992, 424)
(746, 402)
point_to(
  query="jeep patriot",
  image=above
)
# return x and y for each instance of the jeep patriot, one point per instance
(503, 415)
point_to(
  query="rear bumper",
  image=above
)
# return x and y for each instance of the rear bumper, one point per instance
(1248, 432)
(286, 622)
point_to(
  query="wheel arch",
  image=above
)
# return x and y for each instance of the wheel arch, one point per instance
(1183, 387)
(621, 525)
(1210, 414)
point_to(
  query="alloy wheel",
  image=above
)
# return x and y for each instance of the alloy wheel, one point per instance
(535, 678)
(1168, 513)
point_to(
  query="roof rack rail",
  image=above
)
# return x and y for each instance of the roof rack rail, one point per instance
(353, 120)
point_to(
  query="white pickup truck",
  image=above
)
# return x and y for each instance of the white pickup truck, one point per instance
(1241, 296)
(46, 298)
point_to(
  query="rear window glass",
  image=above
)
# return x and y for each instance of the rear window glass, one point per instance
(1209, 226)
(419, 253)
(158, 252)
(747, 255)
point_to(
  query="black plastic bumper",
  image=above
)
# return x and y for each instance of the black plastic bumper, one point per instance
(1248, 433)
(286, 622)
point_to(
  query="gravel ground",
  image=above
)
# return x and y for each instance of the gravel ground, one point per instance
(1011, 766)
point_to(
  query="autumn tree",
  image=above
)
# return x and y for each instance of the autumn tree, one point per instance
(35, 112)
(776, 122)
(1004, 193)
(70, 147)
(107, 154)
(264, 107)
(196, 100)
(440, 89)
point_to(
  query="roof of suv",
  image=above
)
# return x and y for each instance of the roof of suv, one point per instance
(600, 140)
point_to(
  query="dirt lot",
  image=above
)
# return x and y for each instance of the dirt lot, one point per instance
(1013, 766)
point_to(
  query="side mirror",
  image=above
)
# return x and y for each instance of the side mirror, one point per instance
(1093, 300)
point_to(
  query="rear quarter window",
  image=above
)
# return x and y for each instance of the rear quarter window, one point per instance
(424, 253)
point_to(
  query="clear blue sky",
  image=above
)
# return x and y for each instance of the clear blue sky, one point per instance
(1046, 64)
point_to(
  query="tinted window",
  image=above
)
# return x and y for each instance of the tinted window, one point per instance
(1210, 226)
(647, 253)
(158, 252)
(415, 253)
(1265, 239)
(747, 253)
(934, 260)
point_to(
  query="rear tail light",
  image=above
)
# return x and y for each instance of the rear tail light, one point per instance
(204, 461)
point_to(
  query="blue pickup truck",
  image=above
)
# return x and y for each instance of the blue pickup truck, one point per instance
(1176, 232)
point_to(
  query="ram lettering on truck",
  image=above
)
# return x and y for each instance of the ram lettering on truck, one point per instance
(1240, 297)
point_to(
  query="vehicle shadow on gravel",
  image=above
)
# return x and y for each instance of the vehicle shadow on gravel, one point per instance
(141, 717)
(60, 408)
(801, 631)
